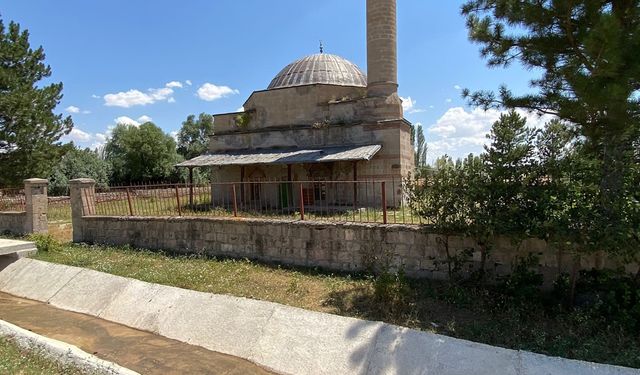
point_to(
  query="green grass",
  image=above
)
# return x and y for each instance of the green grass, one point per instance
(15, 360)
(537, 322)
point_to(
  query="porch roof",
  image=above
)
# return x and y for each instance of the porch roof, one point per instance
(284, 156)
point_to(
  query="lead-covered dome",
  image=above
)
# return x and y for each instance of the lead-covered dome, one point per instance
(321, 68)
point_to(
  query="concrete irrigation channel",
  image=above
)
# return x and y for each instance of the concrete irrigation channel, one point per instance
(279, 338)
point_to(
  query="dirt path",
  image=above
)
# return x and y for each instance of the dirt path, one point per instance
(140, 351)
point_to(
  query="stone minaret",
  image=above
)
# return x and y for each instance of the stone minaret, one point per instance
(382, 58)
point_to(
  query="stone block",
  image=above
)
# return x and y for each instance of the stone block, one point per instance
(89, 292)
(225, 324)
(403, 351)
(295, 341)
(35, 280)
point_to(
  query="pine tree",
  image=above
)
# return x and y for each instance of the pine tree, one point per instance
(30, 132)
(587, 51)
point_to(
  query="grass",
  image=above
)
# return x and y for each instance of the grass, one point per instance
(15, 360)
(535, 321)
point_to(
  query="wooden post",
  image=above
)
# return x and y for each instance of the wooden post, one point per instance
(178, 201)
(191, 187)
(301, 202)
(384, 202)
(235, 201)
(130, 205)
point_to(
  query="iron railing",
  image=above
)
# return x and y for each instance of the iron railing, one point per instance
(12, 200)
(335, 201)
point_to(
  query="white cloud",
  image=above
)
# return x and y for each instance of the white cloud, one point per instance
(136, 97)
(241, 109)
(171, 100)
(409, 105)
(145, 118)
(124, 120)
(210, 92)
(174, 84)
(460, 132)
(86, 112)
(96, 96)
(72, 109)
(78, 136)
(457, 87)
(174, 134)
(188, 82)
(449, 100)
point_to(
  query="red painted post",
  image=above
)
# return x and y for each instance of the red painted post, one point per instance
(178, 200)
(130, 205)
(235, 202)
(301, 202)
(384, 203)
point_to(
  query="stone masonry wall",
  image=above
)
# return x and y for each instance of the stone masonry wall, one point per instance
(13, 222)
(340, 247)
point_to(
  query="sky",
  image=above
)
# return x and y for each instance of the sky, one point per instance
(134, 61)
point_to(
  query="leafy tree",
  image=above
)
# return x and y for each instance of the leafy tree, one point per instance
(141, 154)
(30, 132)
(193, 138)
(436, 197)
(587, 52)
(78, 163)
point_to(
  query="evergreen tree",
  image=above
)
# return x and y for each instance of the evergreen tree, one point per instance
(587, 51)
(30, 132)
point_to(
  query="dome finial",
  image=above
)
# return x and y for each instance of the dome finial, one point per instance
(321, 47)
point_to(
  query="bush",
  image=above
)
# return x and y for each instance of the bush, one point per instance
(46, 243)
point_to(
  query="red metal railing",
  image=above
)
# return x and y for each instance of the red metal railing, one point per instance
(335, 201)
(12, 200)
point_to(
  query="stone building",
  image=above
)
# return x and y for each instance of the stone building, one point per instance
(320, 119)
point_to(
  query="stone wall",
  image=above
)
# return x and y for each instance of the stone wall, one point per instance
(335, 246)
(13, 222)
(34, 218)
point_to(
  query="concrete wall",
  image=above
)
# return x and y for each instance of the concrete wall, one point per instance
(341, 247)
(13, 222)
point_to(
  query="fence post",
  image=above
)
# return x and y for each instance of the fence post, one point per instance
(235, 201)
(130, 205)
(83, 203)
(384, 202)
(301, 202)
(178, 201)
(36, 205)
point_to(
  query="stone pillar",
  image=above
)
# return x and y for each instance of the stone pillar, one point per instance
(383, 102)
(37, 203)
(83, 203)
(382, 49)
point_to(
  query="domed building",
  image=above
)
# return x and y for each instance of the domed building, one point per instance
(321, 119)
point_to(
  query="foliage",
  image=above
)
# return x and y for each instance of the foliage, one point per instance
(420, 147)
(45, 243)
(587, 53)
(528, 183)
(193, 138)
(242, 120)
(30, 132)
(78, 163)
(141, 154)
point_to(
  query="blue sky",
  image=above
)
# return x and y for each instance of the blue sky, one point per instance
(134, 59)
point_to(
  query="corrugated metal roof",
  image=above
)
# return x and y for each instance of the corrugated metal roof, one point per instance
(285, 156)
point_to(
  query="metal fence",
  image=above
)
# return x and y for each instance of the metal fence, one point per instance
(12, 200)
(334, 201)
